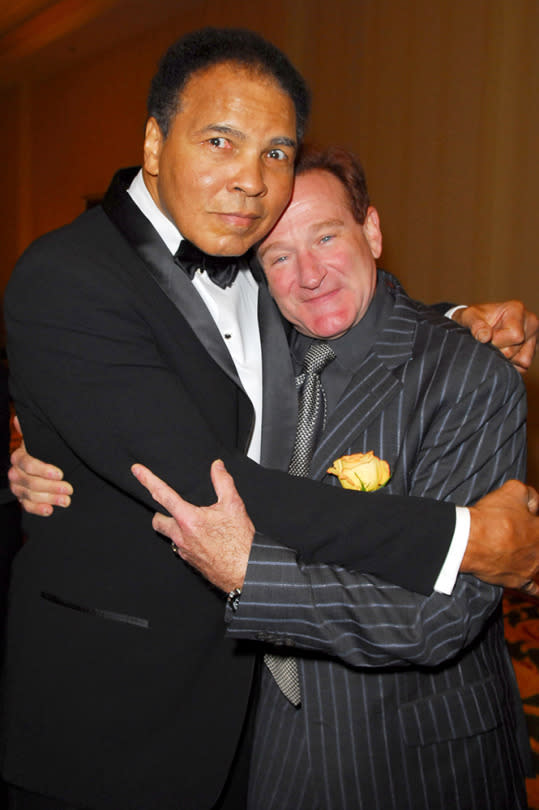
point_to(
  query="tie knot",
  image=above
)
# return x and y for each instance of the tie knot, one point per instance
(317, 357)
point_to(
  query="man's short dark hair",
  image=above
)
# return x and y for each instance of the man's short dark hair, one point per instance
(206, 47)
(346, 167)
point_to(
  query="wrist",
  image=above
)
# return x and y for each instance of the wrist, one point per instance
(473, 561)
(452, 312)
(233, 599)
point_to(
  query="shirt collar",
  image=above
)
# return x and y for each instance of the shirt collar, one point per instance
(166, 229)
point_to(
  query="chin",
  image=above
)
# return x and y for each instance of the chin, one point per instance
(228, 247)
(329, 331)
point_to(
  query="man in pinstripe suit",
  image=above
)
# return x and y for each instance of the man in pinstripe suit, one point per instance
(407, 701)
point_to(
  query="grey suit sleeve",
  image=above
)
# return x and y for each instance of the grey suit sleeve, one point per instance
(468, 450)
(358, 618)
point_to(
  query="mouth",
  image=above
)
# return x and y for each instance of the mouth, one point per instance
(238, 220)
(321, 298)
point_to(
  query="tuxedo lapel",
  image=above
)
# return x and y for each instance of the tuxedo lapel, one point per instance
(372, 387)
(157, 258)
(280, 403)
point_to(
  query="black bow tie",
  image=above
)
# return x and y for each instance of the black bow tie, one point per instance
(221, 269)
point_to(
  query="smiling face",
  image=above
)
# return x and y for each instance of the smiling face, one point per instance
(319, 261)
(224, 172)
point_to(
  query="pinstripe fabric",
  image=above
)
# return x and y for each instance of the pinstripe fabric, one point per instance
(384, 723)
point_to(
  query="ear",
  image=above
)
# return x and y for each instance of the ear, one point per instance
(153, 144)
(373, 234)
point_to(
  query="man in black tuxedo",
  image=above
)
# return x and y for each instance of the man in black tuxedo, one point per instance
(121, 689)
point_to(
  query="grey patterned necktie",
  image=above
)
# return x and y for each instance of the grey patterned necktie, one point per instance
(311, 422)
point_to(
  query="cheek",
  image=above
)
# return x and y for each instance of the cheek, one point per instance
(194, 188)
(280, 288)
(278, 195)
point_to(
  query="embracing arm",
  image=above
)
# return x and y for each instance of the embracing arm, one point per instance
(113, 367)
(467, 449)
(365, 621)
(96, 386)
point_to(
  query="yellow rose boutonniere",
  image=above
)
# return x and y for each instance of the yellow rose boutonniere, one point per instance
(363, 471)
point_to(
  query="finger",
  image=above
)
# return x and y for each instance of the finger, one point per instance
(164, 495)
(27, 497)
(533, 500)
(166, 526)
(41, 490)
(531, 325)
(17, 425)
(522, 358)
(41, 509)
(511, 336)
(148, 479)
(21, 459)
(223, 483)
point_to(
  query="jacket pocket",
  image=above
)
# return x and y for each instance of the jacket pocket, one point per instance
(463, 712)
(109, 615)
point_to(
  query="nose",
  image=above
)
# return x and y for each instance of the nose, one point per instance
(249, 177)
(311, 271)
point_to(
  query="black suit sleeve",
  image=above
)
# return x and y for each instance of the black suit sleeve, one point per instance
(96, 391)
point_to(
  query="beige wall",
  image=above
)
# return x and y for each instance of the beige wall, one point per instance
(439, 99)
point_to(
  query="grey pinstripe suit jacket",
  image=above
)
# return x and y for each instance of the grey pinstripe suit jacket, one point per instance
(408, 702)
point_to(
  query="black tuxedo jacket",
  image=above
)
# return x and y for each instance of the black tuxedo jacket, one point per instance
(121, 689)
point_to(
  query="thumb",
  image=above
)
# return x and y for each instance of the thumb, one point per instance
(223, 483)
(482, 331)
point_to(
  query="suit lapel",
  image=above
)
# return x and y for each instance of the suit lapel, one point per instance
(375, 383)
(143, 237)
(366, 396)
(279, 389)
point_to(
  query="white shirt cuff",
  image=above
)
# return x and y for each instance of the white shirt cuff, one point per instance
(450, 312)
(450, 569)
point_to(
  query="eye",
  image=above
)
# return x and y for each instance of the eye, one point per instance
(218, 143)
(277, 154)
(327, 238)
(270, 261)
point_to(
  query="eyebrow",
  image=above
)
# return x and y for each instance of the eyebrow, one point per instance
(223, 129)
(316, 226)
(272, 246)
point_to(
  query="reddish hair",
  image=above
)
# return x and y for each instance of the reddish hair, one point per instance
(346, 167)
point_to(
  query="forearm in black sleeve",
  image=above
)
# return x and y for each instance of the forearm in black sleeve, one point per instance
(92, 365)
